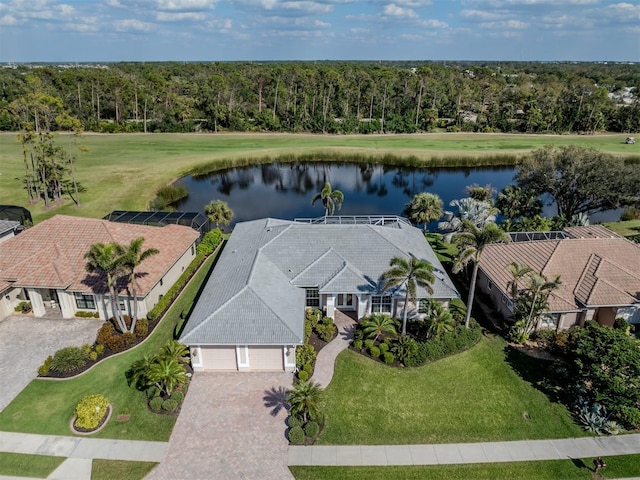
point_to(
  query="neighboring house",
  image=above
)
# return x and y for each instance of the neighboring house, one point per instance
(599, 271)
(45, 265)
(8, 229)
(250, 315)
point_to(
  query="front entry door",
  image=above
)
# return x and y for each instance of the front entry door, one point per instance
(346, 301)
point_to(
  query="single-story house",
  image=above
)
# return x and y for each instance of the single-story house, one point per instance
(250, 315)
(599, 271)
(45, 265)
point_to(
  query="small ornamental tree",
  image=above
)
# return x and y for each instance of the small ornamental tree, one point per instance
(607, 369)
(90, 411)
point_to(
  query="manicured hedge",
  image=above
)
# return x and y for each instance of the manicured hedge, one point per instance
(435, 348)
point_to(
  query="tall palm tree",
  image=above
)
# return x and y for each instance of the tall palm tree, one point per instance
(105, 259)
(410, 273)
(471, 241)
(331, 199)
(219, 212)
(132, 257)
(539, 289)
(517, 271)
(376, 325)
(305, 400)
(424, 208)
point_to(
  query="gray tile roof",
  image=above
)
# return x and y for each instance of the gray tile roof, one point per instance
(253, 294)
(7, 225)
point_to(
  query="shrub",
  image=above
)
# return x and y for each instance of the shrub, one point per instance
(307, 330)
(152, 392)
(86, 348)
(168, 298)
(544, 337)
(86, 314)
(115, 342)
(368, 343)
(325, 331)
(177, 396)
(294, 421)
(303, 376)
(305, 354)
(142, 328)
(170, 405)
(384, 347)
(45, 367)
(357, 344)
(374, 351)
(404, 347)
(308, 368)
(90, 411)
(107, 330)
(68, 359)
(296, 435)
(156, 403)
(311, 429)
(93, 356)
(99, 348)
(389, 358)
(210, 242)
(23, 307)
(593, 417)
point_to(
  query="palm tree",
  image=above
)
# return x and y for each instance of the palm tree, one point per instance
(104, 259)
(471, 240)
(219, 212)
(477, 212)
(137, 374)
(517, 271)
(177, 350)
(539, 289)
(376, 325)
(409, 273)
(440, 322)
(305, 400)
(331, 199)
(166, 373)
(424, 208)
(132, 257)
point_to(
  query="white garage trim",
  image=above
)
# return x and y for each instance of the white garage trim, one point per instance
(242, 354)
(267, 357)
(196, 358)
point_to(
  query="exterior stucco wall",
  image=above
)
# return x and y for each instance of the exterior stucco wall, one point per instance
(243, 358)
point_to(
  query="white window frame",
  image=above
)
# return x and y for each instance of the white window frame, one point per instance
(377, 303)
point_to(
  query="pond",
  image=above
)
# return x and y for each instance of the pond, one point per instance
(285, 190)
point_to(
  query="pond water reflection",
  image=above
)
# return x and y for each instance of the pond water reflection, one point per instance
(285, 190)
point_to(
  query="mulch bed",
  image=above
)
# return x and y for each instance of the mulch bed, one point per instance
(86, 431)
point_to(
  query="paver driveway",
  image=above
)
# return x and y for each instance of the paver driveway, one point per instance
(25, 343)
(232, 426)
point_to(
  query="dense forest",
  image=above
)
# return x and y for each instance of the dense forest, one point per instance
(323, 97)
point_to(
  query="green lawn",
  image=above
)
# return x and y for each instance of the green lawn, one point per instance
(120, 469)
(46, 406)
(625, 229)
(124, 171)
(21, 465)
(573, 469)
(474, 396)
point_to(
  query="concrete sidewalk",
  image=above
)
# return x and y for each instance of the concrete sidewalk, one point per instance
(79, 451)
(325, 363)
(445, 454)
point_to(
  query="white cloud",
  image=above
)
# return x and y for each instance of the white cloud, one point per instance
(133, 25)
(432, 23)
(185, 5)
(8, 20)
(507, 24)
(393, 10)
(180, 16)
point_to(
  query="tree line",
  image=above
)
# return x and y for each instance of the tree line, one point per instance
(325, 97)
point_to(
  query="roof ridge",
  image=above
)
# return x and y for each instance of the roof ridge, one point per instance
(249, 287)
(584, 297)
(204, 321)
(386, 239)
(313, 263)
(555, 249)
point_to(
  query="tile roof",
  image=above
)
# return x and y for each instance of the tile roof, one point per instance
(51, 253)
(265, 261)
(6, 225)
(595, 270)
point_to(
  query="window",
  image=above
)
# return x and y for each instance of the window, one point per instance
(193, 250)
(381, 304)
(161, 281)
(121, 304)
(313, 297)
(489, 285)
(84, 301)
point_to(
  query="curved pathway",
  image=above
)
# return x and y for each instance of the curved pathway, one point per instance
(326, 360)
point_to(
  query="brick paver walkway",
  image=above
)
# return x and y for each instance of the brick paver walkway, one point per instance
(231, 426)
(25, 343)
(326, 360)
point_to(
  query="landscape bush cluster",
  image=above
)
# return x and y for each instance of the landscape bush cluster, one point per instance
(163, 377)
(306, 419)
(69, 360)
(210, 242)
(23, 307)
(90, 411)
(86, 314)
(440, 333)
(306, 354)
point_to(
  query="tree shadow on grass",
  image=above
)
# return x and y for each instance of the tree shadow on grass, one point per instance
(276, 399)
(545, 375)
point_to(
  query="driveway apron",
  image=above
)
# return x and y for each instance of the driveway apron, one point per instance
(231, 426)
(25, 343)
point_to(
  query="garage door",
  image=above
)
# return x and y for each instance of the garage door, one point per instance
(219, 358)
(265, 358)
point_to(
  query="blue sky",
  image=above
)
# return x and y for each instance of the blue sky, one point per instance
(210, 30)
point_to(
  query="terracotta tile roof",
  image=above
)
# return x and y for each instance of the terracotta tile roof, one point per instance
(595, 271)
(51, 254)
